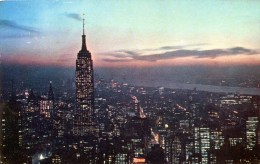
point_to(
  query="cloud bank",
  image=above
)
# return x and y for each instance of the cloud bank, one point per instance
(119, 56)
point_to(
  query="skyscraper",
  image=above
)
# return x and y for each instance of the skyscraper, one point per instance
(251, 132)
(84, 112)
(51, 100)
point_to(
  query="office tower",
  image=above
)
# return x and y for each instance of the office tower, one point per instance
(176, 150)
(51, 100)
(251, 126)
(47, 104)
(30, 117)
(11, 132)
(205, 144)
(217, 139)
(202, 143)
(84, 113)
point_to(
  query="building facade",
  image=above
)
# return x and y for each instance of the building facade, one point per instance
(84, 113)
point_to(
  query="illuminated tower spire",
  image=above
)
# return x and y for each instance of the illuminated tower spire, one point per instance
(84, 113)
(84, 46)
(83, 24)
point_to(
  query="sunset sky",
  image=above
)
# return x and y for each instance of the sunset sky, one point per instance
(136, 33)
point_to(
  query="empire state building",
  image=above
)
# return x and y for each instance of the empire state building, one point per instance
(84, 113)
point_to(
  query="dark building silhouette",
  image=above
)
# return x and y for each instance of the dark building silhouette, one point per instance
(51, 101)
(156, 156)
(11, 128)
(50, 93)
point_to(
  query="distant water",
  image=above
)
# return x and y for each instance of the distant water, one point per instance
(200, 87)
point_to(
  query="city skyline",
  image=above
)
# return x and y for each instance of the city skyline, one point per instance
(154, 96)
(136, 34)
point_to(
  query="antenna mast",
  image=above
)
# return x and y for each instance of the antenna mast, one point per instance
(83, 24)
